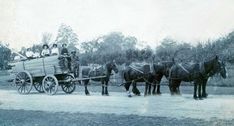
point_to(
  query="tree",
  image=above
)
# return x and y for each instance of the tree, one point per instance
(5, 56)
(167, 49)
(68, 36)
(46, 38)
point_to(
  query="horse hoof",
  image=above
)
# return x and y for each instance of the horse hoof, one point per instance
(159, 93)
(107, 94)
(129, 96)
(200, 98)
(205, 95)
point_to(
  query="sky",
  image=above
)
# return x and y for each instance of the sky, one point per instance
(22, 22)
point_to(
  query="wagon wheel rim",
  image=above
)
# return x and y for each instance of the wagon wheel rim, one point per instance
(68, 87)
(50, 84)
(38, 86)
(23, 82)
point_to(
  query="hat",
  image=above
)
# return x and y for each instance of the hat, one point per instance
(45, 45)
(64, 44)
(54, 45)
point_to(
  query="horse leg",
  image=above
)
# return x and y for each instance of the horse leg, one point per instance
(204, 94)
(106, 89)
(178, 88)
(134, 89)
(86, 89)
(149, 91)
(199, 91)
(154, 88)
(158, 88)
(127, 86)
(172, 86)
(146, 88)
(195, 90)
(103, 88)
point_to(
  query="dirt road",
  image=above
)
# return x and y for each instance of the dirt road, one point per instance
(116, 109)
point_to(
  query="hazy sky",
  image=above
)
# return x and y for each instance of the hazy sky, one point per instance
(22, 22)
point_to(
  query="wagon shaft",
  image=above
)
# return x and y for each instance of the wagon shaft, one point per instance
(82, 79)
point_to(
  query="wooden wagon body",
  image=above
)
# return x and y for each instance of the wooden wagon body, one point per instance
(40, 66)
(45, 74)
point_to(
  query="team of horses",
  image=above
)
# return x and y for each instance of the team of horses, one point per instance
(151, 75)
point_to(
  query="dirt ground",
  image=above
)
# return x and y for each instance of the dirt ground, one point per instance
(41, 118)
(79, 110)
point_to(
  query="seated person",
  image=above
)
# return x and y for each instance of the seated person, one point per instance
(45, 50)
(64, 50)
(29, 54)
(54, 50)
(37, 54)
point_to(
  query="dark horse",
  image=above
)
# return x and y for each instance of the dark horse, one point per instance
(104, 71)
(137, 73)
(159, 70)
(196, 72)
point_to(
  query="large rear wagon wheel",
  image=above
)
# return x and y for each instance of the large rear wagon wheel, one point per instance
(68, 87)
(50, 84)
(23, 82)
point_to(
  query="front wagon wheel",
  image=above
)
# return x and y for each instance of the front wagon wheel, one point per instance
(50, 84)
(70, 86)
(23, 82)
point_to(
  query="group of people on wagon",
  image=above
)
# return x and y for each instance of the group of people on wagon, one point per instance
(73, 59)
(46, 51)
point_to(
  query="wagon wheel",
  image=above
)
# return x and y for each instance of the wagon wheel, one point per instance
(38, 87)
(50, 84)
(23, 82)
(68, 87)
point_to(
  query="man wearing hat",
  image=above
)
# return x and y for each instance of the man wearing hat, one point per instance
(75, 63)
(64, 53)
(64, 50)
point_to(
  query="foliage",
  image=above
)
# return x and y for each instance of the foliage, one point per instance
(67, 35)
(46, 38)
(121, 48)
(5, 56)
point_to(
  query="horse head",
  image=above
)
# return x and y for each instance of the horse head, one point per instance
(220, 67)
(112, 66)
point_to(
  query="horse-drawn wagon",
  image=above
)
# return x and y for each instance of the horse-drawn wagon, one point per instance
(45, 74)
(48, 73)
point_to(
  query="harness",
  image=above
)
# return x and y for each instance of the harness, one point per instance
(184, 69)
(134, 68)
